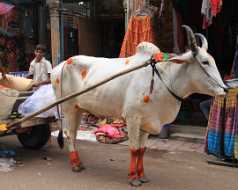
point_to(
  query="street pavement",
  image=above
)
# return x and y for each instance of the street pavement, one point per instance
(170, 165)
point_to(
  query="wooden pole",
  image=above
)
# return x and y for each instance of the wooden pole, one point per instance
(54, 6)
(12, 125)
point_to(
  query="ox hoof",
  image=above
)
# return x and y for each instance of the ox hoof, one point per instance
(135, 182)
(144, 179)
(78, 168)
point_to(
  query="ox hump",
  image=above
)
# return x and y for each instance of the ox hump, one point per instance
(78, 63)
(147, 48)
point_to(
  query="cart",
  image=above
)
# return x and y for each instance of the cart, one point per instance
(33, 133)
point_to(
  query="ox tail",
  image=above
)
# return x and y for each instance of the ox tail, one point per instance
(60, 139)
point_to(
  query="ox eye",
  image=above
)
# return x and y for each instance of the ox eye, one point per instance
(205, 63)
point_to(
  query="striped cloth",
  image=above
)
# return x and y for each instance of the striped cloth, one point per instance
(222, 131)
(236, 137)
(140, 29)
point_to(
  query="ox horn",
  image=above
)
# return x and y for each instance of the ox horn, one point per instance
(191, 39)
(203, 39)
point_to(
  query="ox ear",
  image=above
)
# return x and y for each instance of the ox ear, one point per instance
(176, 60)
(181, 59)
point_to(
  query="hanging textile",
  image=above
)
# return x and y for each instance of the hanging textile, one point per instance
(215, 6)
(222, 131)
(139, 30)
(210, 9)
(206, 12)
(5, 12)
(5, 8)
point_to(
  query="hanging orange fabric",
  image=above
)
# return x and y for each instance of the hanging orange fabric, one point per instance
(139, 29)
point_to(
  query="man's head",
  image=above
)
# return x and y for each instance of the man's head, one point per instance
(39, 52)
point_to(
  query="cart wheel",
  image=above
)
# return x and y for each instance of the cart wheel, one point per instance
(36, 138)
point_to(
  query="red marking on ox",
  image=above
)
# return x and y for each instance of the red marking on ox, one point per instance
(133, 164)
(77, 106)
(69, 61)
(57, 81)
(127, 61)
(146, 99)
(140, 164)
(136, 164)
(84, 72)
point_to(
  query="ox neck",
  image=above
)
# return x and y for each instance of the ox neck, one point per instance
(156, 70)
(176, 80)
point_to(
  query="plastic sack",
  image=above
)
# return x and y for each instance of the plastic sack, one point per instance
(38, 100)
(8, 98)
(17, 83)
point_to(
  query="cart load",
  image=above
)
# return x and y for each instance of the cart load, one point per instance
(8, 98)
(35, 132)
(17, 83)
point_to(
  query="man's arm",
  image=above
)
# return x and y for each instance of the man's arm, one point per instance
(48, 81)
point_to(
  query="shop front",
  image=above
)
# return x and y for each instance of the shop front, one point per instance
(20, 30)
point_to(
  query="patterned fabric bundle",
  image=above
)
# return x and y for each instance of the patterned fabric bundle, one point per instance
(139, 29)
(222, 131)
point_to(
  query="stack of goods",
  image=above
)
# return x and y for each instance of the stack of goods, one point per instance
(107, 130)
(222, 132)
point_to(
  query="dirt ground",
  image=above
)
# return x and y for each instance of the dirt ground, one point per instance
(106, 169)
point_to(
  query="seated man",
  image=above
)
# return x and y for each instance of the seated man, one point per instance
(39, 71)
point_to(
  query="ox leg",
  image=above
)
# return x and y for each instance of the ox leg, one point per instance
(73, 119)
(140, 164)
(133, 126)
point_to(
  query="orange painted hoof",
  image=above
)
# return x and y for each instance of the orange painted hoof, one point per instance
(143, 179)
(78, 168)
(135, 182)
(74, 159)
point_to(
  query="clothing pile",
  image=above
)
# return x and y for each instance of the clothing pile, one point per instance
(222, 131)
(111, 133)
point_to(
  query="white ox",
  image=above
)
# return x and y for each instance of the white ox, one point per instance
(125, 96)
